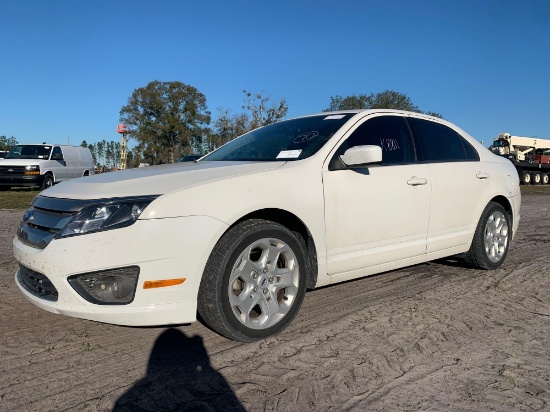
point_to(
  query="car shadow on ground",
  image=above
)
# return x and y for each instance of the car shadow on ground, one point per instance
(179, 378)
(458, 261)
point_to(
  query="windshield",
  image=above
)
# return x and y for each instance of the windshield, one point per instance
(500, 143)
(286, 140)
(29, 152)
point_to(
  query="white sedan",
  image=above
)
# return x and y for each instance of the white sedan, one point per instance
(239, 236)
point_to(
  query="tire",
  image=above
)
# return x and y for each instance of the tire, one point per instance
(525, 177)
(48, 182)
(537, 180)
(245, 293)
(545, 178)
(491, 239)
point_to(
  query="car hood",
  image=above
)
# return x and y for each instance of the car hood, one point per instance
(153, 180)
(21, 162)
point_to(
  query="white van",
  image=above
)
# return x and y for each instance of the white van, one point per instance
(44, 165)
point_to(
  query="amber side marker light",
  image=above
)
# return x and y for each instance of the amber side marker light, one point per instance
(150, 284)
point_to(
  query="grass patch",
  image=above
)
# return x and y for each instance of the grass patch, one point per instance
(17, 198)
(535, 189)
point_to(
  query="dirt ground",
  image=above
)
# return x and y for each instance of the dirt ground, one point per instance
(436, 337)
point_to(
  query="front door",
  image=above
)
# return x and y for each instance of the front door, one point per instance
(380, 213)
(58, 165)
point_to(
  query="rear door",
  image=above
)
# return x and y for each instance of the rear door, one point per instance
(376, 214)
(460, 184)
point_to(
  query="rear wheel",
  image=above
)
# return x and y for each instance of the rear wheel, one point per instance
(491, 238)
(545, 178)
(254, 282)
(525, 177)
(537, 178)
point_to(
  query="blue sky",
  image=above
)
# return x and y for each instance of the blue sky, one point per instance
(67, 67)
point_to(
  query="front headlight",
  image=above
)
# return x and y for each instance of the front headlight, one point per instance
(32, 170)
(110, 215)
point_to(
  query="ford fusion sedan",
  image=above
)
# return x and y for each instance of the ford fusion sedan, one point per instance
(239, 236)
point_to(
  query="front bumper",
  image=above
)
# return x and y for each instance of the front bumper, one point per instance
(162, 248)
(21, 180)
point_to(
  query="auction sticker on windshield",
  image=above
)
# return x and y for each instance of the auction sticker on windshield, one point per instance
(289, 154)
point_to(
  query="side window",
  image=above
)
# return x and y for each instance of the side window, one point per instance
(56, 153)
(441, 143)
(389, 132)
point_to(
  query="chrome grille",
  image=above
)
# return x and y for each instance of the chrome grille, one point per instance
(46, 218)
(11, 170)
(37, 284)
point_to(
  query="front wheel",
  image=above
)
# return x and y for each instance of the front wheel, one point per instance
(48, 182)
(525, 177)
(491, 238)
(254, 282)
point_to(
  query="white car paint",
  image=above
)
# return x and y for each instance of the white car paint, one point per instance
(360, 224)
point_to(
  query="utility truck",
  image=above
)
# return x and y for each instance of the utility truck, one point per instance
(530, 156)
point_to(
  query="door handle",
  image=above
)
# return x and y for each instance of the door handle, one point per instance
(481, 175)
(417, 181)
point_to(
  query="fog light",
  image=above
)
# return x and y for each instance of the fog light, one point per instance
(107, 287)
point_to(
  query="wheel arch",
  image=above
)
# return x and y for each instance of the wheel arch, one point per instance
(505, 203)
(295, 224)
(49, 173)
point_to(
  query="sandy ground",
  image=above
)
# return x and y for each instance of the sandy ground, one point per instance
(437, 336)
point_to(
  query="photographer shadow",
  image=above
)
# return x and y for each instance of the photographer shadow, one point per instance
(179, 378)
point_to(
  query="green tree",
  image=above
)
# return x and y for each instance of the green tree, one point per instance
(93, 151)
(109, 154)
(6, 143)
(227, 127)
(259, 111)
(388, 99)
(165, 117)
(100, 151)
(130, 159)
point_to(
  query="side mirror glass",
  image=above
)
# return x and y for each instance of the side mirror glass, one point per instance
(360, 155)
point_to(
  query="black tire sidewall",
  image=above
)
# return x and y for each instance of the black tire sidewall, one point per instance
(45, 182)
(480, 234)
(263, 230)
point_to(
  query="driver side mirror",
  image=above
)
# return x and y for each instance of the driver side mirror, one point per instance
(360, 155)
